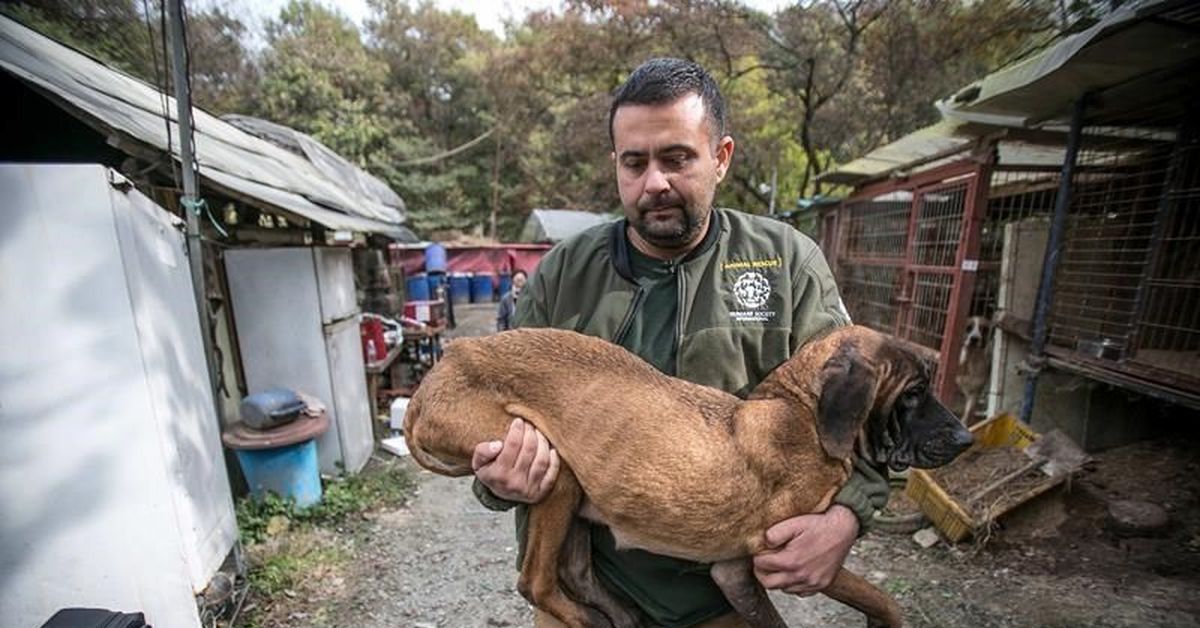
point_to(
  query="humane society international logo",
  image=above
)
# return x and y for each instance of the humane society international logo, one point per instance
(752, 291)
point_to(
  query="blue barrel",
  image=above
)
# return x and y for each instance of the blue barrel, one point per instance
(436, 280)
(505, 284)
(460, 287)
(435, 258)
(417, 287)
(290, 472)
(481, 288)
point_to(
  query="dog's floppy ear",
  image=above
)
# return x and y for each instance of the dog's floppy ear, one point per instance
(847, 395)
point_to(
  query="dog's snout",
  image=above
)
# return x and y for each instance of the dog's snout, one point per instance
(962, 440)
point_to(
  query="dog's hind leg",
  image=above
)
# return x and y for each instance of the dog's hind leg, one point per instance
(849, 589)
(747, 596)
(549, 524)
(579, 580)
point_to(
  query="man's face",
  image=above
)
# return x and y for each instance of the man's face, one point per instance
(668, 167)
(518, 284)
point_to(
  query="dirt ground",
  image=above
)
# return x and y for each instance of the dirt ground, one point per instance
(447, 562)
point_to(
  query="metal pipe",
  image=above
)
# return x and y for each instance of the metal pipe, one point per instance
(1045, 293)
(191, 198)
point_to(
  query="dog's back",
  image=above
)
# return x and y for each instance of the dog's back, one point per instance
(470, 395)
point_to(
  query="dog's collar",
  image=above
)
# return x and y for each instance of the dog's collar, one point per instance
(619, 246)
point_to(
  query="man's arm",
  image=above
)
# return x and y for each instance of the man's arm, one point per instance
(523, 467)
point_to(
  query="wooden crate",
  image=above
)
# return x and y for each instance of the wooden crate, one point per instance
(953, 519)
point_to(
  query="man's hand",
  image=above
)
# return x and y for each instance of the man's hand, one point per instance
(807, 551)
(522, 468)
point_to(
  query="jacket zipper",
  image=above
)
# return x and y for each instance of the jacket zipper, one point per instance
(681, 302)
(619, 337)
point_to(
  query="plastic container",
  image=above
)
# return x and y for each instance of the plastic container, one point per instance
(397, 411)
(268, 409)
(435, 258)
(460, 287)
(416, 288)
(290, 472)
(953, 519)
(282, 461)
(505, 285)
(481, 288)
(373, 340)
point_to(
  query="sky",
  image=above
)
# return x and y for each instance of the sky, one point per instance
(490, 14)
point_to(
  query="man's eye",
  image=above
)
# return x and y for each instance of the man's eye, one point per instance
(634, 164)
(676, 162)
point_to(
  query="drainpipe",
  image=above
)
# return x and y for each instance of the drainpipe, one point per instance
(1045, 293)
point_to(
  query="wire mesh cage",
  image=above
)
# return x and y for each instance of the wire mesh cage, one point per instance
(1127, 292)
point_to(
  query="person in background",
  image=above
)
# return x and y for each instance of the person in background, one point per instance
(508, 302)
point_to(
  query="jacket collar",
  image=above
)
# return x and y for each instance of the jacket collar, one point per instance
(618, 244)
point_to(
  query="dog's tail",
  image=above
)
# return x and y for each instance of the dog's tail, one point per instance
(412, 438)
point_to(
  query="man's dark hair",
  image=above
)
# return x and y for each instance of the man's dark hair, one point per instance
(665, 80)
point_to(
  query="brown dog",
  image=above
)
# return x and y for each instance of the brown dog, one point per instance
(677, 468)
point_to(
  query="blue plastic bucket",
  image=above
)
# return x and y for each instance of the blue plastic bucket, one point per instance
(505, 284)
(435, 258)
(481, 288)
(460, 287)
(417, 287)
(290, 471)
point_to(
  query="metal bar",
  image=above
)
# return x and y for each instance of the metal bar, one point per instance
(1045, 293)
(929, 177)
(966, 263)
(190, 199)
(1108, 376)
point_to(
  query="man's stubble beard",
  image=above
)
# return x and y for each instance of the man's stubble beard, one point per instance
(675, 233)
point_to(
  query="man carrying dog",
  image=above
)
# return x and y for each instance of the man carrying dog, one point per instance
(713, 296)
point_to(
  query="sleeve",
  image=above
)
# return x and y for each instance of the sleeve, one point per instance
(530, 311)
(502, 315)
(865, 492)
(816, 304)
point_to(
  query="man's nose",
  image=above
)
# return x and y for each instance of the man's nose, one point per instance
(656, 181)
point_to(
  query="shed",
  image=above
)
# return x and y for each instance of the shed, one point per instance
(138, 121)
(556, 225)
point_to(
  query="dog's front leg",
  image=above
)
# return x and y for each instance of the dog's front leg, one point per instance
(549, 524)
(748, 597)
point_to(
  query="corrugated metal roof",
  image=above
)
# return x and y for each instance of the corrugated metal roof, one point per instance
(554, 225)
(944, 138)
(1137, 39)
(230, 160)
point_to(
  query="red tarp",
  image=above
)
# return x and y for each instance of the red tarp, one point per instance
(501, 258)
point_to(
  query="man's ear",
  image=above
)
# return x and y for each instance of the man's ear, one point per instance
(847, 396)
(724, 155)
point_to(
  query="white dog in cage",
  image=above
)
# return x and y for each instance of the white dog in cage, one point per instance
(974, 364)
